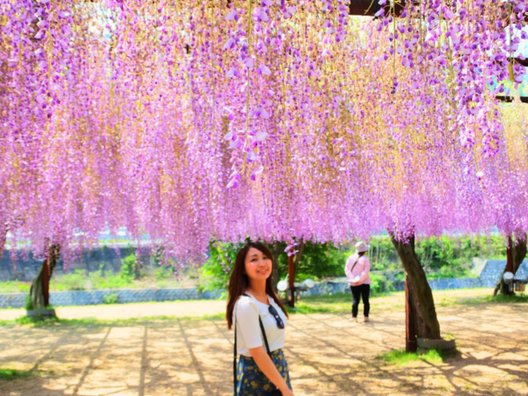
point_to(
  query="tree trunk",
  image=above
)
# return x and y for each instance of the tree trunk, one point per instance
(3, 237)
(293, 262)
(39, 292)
(411, 333)
(515, 254)
(291, 281)
(426, 325)
(276, 250)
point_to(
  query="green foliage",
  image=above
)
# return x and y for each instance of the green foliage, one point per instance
(503, 298)
(336, 304)
(29, 303)
(130, 268)
(96, 280)
(318, 260)
(402, 358)
(382, 254)
(14, 287)
(111, 299)
(380, 283)
(441, 257)
(78, 279)
(451, 256)
(214, 274)
(38, 321)
(11, 374)
(164, 272)
(75, 280)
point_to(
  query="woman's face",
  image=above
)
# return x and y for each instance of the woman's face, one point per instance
(258, 265)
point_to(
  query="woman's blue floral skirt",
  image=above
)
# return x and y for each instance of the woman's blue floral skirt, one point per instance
(252, 381)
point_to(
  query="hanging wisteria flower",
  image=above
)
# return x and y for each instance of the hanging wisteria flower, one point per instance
(189, 121)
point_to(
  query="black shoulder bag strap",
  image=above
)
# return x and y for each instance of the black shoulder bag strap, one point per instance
(235, 362)
(354, 266)
(263, 331)
(235, 350)
(264, 335)
(276, 390)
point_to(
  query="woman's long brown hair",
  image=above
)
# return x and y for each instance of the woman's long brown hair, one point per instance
(239, 282)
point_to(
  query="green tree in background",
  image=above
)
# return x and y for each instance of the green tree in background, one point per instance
(442, 257)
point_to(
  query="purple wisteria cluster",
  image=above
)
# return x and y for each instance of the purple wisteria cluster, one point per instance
(275, 119)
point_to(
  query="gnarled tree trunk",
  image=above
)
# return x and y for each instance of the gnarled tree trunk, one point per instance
(39, 292)
(515, 254)
(426, 322)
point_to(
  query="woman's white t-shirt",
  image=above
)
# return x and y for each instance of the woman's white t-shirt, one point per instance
(249, 334)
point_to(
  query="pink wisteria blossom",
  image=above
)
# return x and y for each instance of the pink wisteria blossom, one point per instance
(277, 120)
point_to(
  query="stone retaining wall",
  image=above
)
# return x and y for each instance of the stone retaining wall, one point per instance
(341, 286)
(489, 276)
(17, 300)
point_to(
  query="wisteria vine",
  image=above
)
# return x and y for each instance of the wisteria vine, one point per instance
(196, 120)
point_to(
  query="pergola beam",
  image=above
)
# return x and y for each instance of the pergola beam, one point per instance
(371, 7)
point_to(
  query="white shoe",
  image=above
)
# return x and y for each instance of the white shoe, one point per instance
(366, 319)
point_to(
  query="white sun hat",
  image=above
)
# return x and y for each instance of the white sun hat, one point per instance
(361, 247)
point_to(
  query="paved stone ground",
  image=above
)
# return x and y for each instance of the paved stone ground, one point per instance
(327, 353)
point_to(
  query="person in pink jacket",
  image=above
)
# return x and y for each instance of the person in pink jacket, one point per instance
(357, 270)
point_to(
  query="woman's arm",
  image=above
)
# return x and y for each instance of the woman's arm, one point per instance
(266, 365)
(348, 267)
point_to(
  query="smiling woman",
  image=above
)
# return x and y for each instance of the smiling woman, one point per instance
(259, 320)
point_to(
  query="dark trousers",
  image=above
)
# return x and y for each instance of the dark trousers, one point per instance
(363, 292)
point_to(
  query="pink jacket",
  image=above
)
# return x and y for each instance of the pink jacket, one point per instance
(360, 274)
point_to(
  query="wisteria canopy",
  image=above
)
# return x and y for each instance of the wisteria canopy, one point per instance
(196, 120)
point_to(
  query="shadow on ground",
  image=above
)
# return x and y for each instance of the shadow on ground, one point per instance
(327, 354)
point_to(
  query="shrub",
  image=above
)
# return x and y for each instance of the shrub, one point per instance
(130, 268)
(163, 273)
(29, 304)
(98, 281)
(319, 260)
(442, 257)
(111, 298)
(214, 273)
(451, 256)
(380, 283)
(7, 374)
(14, 286)
(75, 280)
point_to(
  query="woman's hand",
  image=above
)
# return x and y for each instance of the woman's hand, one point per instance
(287, 392)
(266, 365)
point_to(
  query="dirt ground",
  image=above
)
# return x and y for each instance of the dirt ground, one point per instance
(327, 353)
